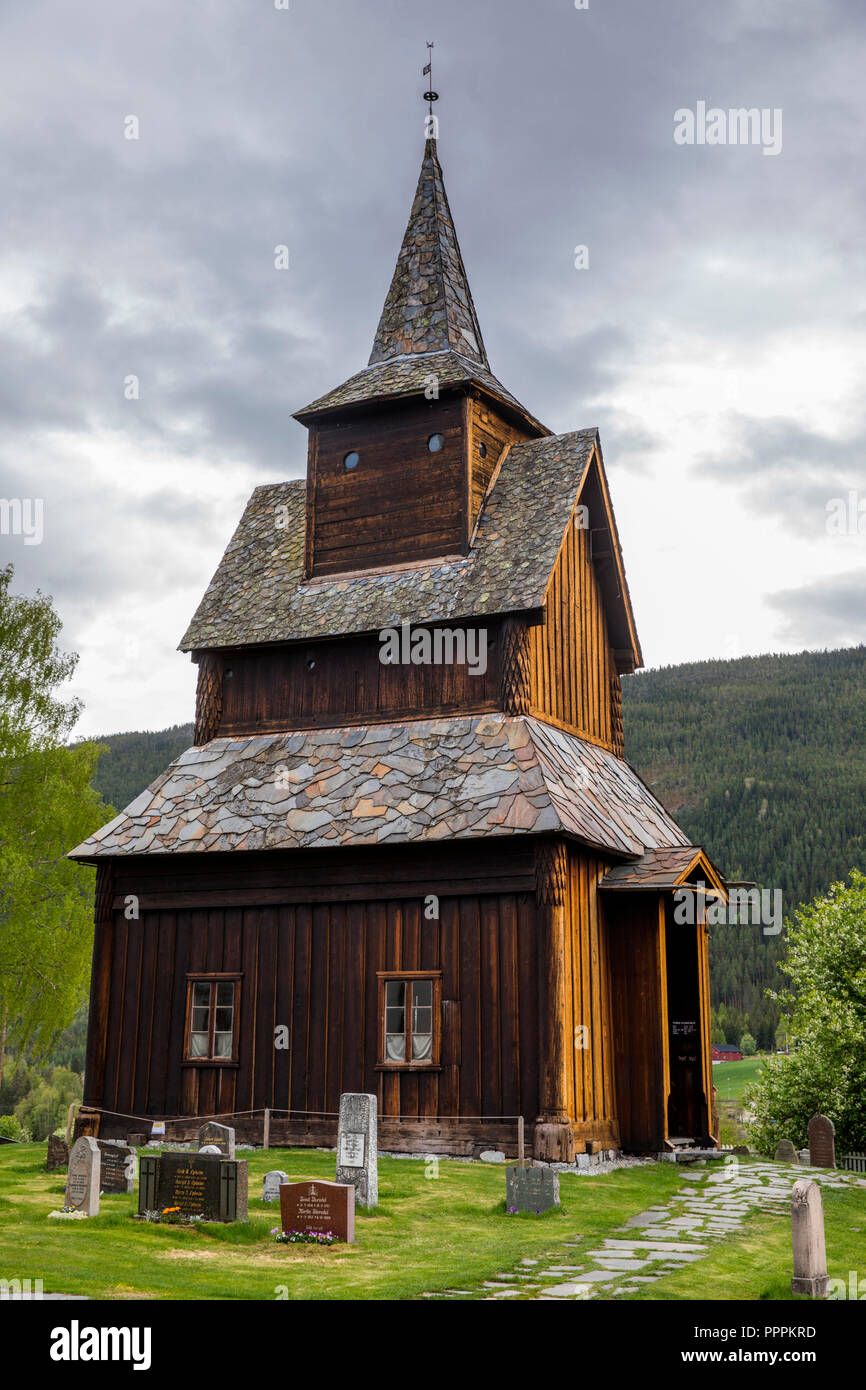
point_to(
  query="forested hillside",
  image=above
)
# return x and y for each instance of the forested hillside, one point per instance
(762, 760)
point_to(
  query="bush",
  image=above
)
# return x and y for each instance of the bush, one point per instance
(10, 1128)
(748, 1046)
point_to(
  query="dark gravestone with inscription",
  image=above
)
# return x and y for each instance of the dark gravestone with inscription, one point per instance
(221, 1137)
(318, 1206)
(195, 1184)
(531, 1189)
(822, 1142)
(58, 1153)
(117, 1167)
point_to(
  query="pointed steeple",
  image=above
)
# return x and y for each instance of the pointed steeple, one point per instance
(429, 306)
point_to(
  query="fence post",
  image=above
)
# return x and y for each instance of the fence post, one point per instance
(266, 1139)
(520, 1143)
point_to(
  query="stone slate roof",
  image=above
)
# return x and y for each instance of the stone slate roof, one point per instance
(429, 305)
(408, 376)
(423, 780)
(258, 595)
(658, 868)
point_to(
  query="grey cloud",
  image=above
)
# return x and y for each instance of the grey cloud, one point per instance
(828, 612)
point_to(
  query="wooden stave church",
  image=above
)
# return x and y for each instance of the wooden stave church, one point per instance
(294, 860)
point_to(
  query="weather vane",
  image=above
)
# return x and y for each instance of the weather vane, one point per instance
(430, 96)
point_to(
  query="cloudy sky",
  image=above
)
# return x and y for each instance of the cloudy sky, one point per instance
(716, 337)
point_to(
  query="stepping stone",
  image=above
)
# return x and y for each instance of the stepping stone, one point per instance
(529, 1262)
(567, 1291)
(646, 1218)
(624, 1265)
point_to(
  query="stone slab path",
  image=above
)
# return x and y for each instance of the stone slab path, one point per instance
(713, 1202)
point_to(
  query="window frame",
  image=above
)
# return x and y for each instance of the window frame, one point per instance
(205, 977)
(410, 978)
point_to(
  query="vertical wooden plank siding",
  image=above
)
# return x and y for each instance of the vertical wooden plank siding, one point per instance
(572, 661)
(314, 968)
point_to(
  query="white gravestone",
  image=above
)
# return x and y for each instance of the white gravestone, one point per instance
(807, 1229)
(83, 1174)
(357, 1143)
(271, 1184)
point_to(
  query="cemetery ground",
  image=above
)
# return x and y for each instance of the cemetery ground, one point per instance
(428, 1235)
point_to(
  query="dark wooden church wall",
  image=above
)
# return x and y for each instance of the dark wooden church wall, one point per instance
(638, 984)
(402, 502)
(322, 684)
(571, 655)
(311, 964)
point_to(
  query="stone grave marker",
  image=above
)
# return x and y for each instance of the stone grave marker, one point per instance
(822, 1142)
(222, 1136)
(271, 1184)
(785, 1152)
(205, 1185)
(357, 1146)
(117, 1167)
(531, 1189)
(83, 1176)
(318, 1206)
(58, 1153)
(804, 1156)
(807, 1230)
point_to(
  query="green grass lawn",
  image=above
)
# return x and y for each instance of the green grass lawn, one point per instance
(731, 1078)
(428, 1234)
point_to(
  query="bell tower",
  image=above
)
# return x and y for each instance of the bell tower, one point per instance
(401, 455)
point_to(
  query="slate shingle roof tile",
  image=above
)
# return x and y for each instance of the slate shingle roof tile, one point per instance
(464, 777)
(258, 593)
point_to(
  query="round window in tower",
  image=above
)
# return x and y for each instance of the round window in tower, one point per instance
(351, 460)
(435, 443)
(482, 450)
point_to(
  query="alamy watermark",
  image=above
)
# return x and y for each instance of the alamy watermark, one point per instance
(745, 907)
(23, 516)
(739, 125)
(437, 646)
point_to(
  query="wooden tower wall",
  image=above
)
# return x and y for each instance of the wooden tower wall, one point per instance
(572, 666)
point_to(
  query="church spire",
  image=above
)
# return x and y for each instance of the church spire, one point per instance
(429, 306)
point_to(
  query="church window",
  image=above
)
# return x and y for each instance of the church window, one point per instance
(409, 1009)
(212, 1018)
(351, 460)
(435, 443)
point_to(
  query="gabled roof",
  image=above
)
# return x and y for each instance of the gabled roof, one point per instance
(429, 306)
(668, 867)
(423, 780)
(259, 595)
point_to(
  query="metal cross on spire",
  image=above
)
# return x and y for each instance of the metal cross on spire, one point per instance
(430, 96)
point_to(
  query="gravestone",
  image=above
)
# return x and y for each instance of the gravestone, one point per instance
(357, 1147)
(822, 1142)
(205, 1185)
(83, 1177)
(785, 1152)
(117, 1167)
(221, 1136)
(531, 1189)
(58, 1153)
(271, 1184)
(318, 1206)
(804, 1156)
(807, 1230)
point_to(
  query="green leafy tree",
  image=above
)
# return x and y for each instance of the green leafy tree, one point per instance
(46, 1107)
(46, 806)
(824, 1013)
(748, 1046)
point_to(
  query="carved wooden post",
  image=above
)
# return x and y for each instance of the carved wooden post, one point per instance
(617, 736)
(553, 1138)
(100, 985)
(515, 666)
(208, 697)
